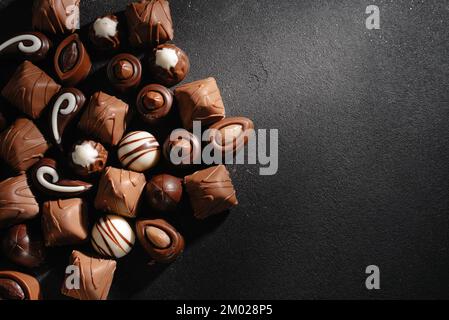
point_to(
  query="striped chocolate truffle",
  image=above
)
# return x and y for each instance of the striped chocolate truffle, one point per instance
(138, 151)
(112, 236)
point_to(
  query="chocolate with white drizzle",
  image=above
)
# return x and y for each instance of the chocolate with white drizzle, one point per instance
(33, 46)
(67, 103)
(45, 178)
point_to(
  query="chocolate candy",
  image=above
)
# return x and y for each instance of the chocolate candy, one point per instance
(119, 191)
(18, 286)
(154, 102)
(30, 89)
(88, 157)
(17, 202)
(149, 22)
(105, 118)
(124, 72)
(96, 277)
(103, 33)
(138, 151)
(72, 62)
(164, 192)
(23, 245)
(56, 16)
(182, 147)
(210, 191)
(46, 179)
(67, 104)
(64, 222)
(22, 145)
(32, 46)
(168, 64)
(112, 236)
(230, 134)
(200, 101)
(159, 239)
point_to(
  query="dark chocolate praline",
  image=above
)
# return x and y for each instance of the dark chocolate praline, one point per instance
(124, 72)
(154, 102)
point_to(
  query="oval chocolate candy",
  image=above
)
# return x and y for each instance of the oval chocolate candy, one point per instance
(230, 134)
(33, 46)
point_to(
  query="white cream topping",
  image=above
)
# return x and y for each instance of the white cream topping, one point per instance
(105, 27)
(35, 46)
(166, 58)
(45, 170)
(71, 107)
(84, 154)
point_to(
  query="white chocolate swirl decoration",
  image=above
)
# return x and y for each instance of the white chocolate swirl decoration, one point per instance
(51, 185)
(71, 107)
(36, 43)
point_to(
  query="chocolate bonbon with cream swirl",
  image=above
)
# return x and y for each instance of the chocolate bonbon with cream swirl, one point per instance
(138, 151)
(33, 46)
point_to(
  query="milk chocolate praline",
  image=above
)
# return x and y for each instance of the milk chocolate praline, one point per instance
(56, 16)
(154, 102)
(164, 192)
(88, 157)
(104, 33)
(124, 72)
(182, 146)
(33, 46)
(18, 286)
(168, 64)
(230, 134)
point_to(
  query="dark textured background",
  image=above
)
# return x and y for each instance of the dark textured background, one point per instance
(364, 158)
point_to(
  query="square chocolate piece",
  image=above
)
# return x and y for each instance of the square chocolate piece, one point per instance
(119, 192)
(95, 277)
(200, 101)
(30, 89)
(210, 191)
(105, 118)
(64, 222)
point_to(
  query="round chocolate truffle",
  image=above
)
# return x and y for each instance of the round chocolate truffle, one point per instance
(23, 246)
(169, 65)
(164, 192)
(124, 72)
(88, 157)
(103, 33)
(154, 102)
(112, 236)
(138, 151)
(182, 148)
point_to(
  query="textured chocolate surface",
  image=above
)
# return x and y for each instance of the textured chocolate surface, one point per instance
(200, 101)
(22, 145)
(23, 245)
(104, 33)
(168, 64)
(105, 118)
(56, 16)
(149, 22)
(210, 191)
(33, 46)
(160, 239)
(30, 89)
(20, 286)
(64, 222)
(163, 192)
(96, 277)
(124, 72)
(119, 191)
(184, 146)
(88, 157)
(154, 102)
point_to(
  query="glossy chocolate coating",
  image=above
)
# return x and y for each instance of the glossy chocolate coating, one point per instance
(23, 246)
(33, 46)
(56, 16)
(30, 89)
(230, 134)
(21, 286)
(168, 64)
(47, 179)
(72, 62)
(124, 72)
(22, 145)
(119, 192)
(164, 192)
(17, 202)
(66, 105)
(96, 277)
(200, 101)
(64, 222)
(138, 151)
(105, 118)
(183, 145)
(88, 157)
(160, 239)
(149, 22)
(210, 191)
(154, 102)
(104, 34)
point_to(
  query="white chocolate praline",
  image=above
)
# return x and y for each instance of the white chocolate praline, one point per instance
(112, 236)
(105, 27)
(166, 58)
(138, 151)
(84, 154)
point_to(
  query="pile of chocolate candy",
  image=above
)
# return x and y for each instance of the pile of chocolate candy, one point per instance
(125, 192)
